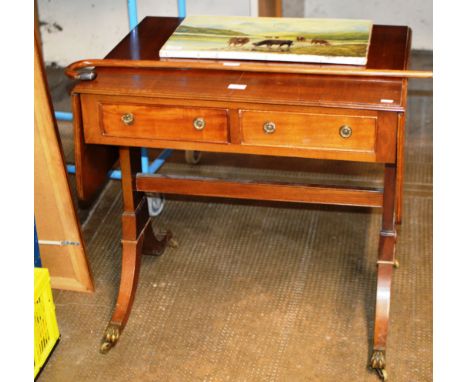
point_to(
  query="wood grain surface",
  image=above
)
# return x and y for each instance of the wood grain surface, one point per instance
(55, 214)
(164, 122)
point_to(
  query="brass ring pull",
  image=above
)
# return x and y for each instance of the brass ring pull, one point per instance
(199, 123)
(269, 127)
(127, 119)
(346, 131)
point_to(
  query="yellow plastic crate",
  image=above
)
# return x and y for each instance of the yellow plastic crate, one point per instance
(46, 332)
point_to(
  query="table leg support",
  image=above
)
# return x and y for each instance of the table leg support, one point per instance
(385, 264)
(137, 238)
(384, 279)
(154, 245)
(131, 257)
(147, 243)
(400, 168)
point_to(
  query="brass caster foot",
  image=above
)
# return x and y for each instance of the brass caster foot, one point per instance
(110, 338)
(396, 264)
(163, 234)
(382, 374)
(377, 362)
(173, 243)
(167, 237)
(155, 244)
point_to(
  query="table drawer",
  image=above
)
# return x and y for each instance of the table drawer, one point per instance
(312, 131)
(164, 122)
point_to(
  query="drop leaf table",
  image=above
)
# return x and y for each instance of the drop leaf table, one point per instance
(134, 99)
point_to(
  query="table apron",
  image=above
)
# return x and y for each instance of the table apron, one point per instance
(303, 132)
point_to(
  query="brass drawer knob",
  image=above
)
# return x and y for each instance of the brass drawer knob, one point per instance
(127, 119)
(345, 131)
(199, 123)
(269, 127)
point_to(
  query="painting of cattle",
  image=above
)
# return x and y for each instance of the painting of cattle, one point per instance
(273, 43)
(337, 41)
(317, 41)
(238, 41)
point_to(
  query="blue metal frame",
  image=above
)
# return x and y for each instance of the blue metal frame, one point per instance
(37, 256)
(63, 116)
(181, 6)
(146, 167)
(132, 13)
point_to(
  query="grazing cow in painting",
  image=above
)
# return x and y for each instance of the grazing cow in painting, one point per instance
(300, 38)
(320, 42)
(270, 43)
(238, 41)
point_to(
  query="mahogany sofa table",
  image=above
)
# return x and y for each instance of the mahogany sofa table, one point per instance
(283, 111)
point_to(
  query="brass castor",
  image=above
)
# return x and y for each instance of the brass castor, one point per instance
(192, 157)
(377, 362)
(382, 374)
(166, 236)
(396, 264)
(110, 338)
(173, 243)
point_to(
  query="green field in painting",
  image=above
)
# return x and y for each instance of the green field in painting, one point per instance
(336, 50)
(344, 44)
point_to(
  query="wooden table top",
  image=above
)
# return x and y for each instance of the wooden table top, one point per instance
(389, 49)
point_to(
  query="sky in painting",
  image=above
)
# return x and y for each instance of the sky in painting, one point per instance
(251, 25)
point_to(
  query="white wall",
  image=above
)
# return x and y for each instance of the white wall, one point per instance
(417, 14)
(293, 8)
(78, 29)
(91, 28)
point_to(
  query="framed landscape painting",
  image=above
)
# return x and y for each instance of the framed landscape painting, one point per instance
(336, 41)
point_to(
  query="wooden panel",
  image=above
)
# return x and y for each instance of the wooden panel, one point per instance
(260, 191)
(400, 162)
(164, 122)
(268, 88)
(316, 90)
(92, 162)
(54, 211)
(90, 104)
(386, 138)
(315, 131)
